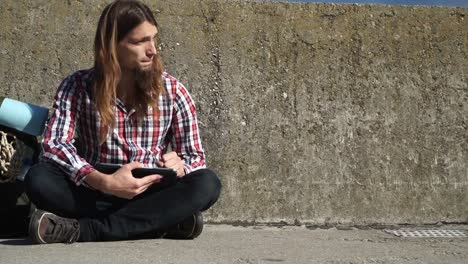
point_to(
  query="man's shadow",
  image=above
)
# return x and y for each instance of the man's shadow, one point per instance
(23, 241)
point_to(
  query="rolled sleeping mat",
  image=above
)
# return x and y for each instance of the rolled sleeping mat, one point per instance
(23, 117)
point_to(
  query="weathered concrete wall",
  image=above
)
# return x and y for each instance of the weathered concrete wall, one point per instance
(314, 113)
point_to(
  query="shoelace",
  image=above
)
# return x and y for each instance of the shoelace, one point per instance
(64, 230)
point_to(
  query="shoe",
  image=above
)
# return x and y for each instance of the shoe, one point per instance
(46, 227)
(190, 228)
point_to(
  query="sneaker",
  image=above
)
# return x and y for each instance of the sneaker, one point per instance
(46, 227)
(190, 228)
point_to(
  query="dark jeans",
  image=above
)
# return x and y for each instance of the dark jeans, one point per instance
(104, 217)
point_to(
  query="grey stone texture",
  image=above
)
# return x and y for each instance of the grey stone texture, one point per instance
(310, 113)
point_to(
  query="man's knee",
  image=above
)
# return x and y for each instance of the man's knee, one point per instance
(32, 179)
(38, 180)
(207, 183)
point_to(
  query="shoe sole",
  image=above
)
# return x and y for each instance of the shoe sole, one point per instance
(34, 224)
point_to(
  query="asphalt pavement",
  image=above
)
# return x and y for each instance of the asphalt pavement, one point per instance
(257, 244)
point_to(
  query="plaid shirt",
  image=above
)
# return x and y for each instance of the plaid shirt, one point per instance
(75, 117)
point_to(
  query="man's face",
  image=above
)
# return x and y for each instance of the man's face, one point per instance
(136, 50)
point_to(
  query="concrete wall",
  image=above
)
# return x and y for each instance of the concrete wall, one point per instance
(311, 113)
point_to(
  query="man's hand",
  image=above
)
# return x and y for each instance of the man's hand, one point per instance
(172, 161)
(122, 183)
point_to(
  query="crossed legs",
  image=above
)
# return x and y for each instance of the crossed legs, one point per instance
(103, 217)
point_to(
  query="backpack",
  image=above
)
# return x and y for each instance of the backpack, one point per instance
(20, 124)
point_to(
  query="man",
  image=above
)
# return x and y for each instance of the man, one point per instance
(125, 111)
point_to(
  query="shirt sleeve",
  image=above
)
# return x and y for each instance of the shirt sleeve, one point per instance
(186, 137)
(57, 143)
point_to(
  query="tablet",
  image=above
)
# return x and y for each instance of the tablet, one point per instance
(169, 175)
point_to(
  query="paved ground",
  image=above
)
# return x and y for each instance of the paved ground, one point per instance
(228, 244)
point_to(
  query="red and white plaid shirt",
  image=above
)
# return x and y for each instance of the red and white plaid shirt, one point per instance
(75, 117)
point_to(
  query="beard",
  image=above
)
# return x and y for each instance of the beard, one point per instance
(144, 79)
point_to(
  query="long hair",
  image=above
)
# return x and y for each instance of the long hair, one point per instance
(116, 21)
